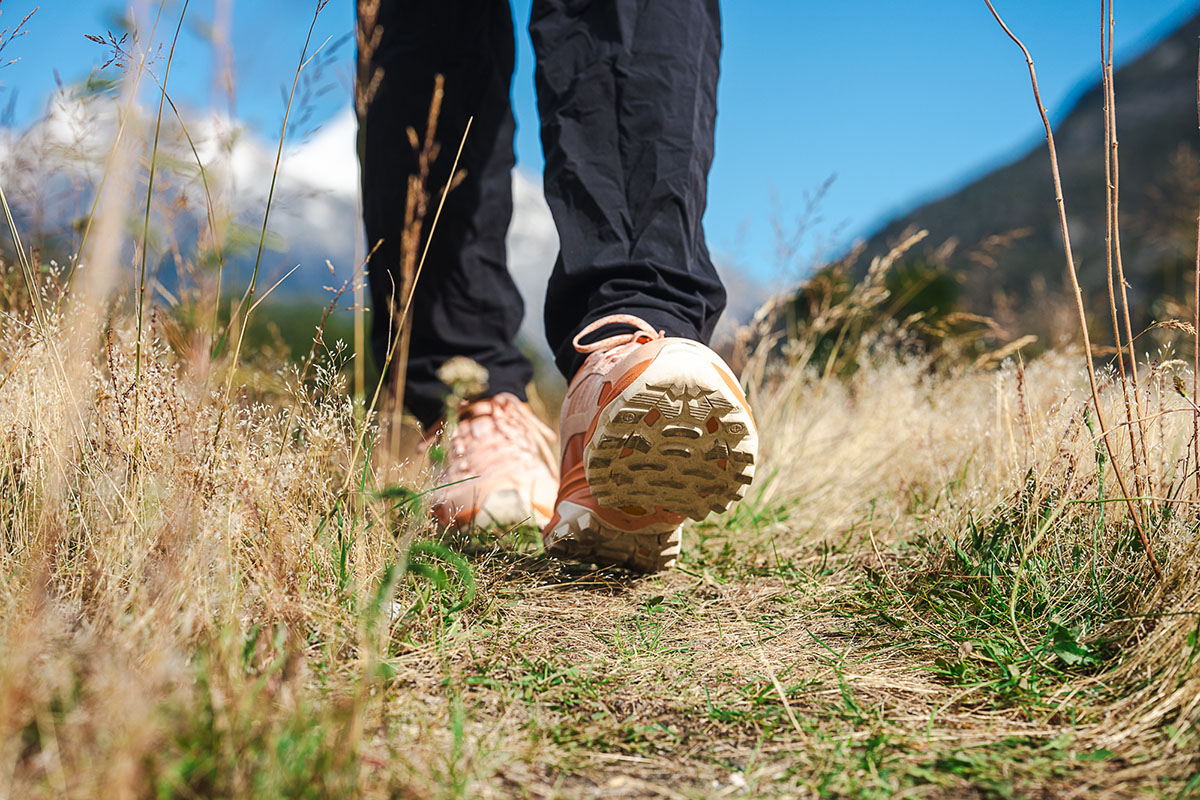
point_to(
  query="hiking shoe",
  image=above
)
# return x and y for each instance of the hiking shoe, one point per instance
(499, 467)
(653, 430)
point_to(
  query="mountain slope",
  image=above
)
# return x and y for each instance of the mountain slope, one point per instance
(1160, 184)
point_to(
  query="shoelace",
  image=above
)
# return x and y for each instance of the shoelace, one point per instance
(645, 333)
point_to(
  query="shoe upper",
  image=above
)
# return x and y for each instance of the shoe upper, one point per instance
(605, 367)
(653, 430)
(499, 465)
(612, 365)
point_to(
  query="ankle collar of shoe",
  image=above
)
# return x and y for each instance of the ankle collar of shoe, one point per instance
(643, 332)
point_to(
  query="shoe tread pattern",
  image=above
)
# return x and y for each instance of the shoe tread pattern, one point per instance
(682, 447)
(580, 536)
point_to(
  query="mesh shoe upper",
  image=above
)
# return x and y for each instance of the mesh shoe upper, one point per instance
(499, 468)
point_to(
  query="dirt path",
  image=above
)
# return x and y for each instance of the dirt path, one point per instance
(789, 679)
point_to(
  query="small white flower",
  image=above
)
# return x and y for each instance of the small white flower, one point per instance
(465, 377)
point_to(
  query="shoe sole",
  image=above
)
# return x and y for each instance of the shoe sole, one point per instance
(581, 536)
(677, 438)
(680, 438)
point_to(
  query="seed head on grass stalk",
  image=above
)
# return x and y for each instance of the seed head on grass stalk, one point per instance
(1074, 275)
(308, 363)
(113, 159)
(467, 379)
(368, 77)
(7, 35)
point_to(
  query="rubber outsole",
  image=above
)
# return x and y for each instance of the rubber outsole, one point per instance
(677, 439)
(674, 447)
(581, 536)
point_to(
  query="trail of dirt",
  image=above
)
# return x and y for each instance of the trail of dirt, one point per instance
(686, 685)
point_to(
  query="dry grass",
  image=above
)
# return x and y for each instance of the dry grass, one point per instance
(211, 584)
(216, 616)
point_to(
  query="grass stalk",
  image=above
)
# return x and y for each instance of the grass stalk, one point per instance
(1139, 454)
(141, 299)
(394, 344)
(248, 298)
(1106, 77)
(414, 219)
(1196, 324)
(1079, 305)
(26, 268)
(368, 76)
(210, 208)
(360, 324)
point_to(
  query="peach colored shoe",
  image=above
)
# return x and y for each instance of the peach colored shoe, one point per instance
(499, 467)
(653, 430)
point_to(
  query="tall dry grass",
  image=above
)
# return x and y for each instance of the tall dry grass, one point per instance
(168, 526)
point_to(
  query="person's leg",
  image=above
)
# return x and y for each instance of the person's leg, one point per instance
(654, 428)
(627, 97)
(466, 303)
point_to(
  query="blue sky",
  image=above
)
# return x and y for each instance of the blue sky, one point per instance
(899, 100)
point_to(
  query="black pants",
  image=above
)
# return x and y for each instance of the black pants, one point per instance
(627, 98)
